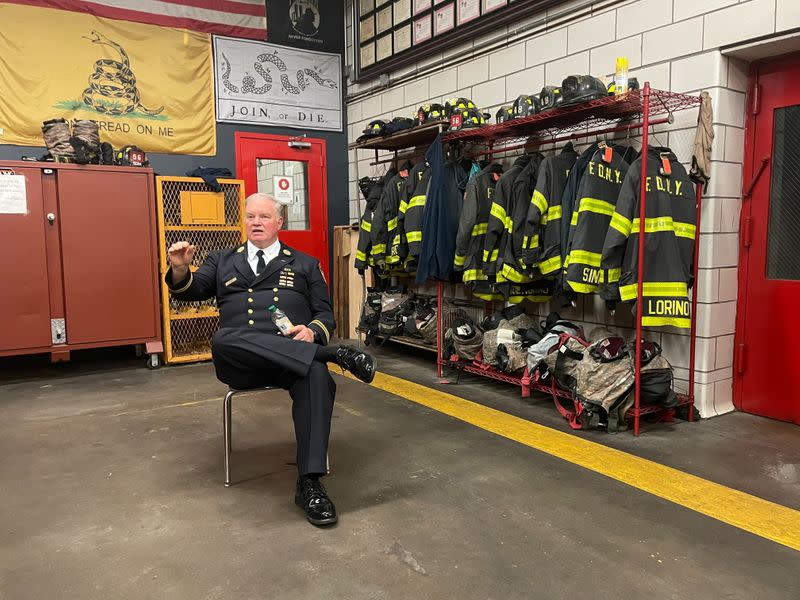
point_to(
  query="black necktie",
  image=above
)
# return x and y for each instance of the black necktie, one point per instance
(261, 264)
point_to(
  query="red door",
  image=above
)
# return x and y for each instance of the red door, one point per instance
(767, 360)
(293, 170)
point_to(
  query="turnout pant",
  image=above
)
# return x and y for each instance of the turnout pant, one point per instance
(247, 359)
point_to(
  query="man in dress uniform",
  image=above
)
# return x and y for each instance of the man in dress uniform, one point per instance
(249, 351)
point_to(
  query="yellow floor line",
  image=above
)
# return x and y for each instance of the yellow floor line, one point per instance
(766, 519)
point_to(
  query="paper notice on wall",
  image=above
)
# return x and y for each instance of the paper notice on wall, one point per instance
(13, 199)
(282, 189)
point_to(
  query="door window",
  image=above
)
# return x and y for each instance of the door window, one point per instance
(287, 181)
(783, 238)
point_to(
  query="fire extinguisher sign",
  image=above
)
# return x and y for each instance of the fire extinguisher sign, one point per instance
(282, 189)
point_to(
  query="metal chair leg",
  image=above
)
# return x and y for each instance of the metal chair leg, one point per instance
(328, 463)
(226, 432)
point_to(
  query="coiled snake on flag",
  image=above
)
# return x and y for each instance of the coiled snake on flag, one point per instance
(249, 82)
(112, 86)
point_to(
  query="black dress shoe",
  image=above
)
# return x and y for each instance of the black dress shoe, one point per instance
(312, 498)
(360, 364)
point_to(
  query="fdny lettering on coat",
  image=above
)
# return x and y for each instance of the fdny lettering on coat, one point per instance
(665, 184)
(604, 172)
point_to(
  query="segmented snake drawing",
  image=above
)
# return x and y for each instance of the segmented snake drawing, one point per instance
(112, 86)
(249, 82)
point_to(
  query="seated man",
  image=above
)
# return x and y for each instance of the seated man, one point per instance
(249, 351)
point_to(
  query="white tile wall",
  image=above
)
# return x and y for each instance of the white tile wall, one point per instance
(507, 60)
(547, 47)
(744, 21)
(591, 32)
(490, 94)
(728, 106)
(643, 16)
(729, 217)
(529, 81)
(708, 285)
(683, 9)
(418, 92)
(603, 58)
(723, 396)
(392, 100)
(475, 71)
(726, 179)
(738, 72)
(693, 73)
(673, 41)
(724, 355)
(716, 319)
(728, 284)
(575, 64)
(718, 250)
(734, 144)
(657, 75)
(788, 14)
(443, 83)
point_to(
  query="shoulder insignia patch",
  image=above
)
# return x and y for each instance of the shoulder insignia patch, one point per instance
(286, 252)
(240, 249)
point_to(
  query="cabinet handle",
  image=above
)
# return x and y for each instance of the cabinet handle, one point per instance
(51, 218)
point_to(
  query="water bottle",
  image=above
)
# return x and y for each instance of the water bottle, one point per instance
(621, 76)
(280, 319)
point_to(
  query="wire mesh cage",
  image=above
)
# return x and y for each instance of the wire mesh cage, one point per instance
(188, 210)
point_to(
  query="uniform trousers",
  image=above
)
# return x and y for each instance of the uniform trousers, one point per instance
(247, 359)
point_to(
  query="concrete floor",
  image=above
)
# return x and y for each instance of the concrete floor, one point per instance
(111, 479)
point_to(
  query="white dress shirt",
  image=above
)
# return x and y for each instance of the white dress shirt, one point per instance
(270, 252)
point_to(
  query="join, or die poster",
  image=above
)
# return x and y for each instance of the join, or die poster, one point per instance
(265, 84)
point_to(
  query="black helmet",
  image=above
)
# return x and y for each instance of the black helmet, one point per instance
(511, 311)
(525, 105)
(466, 118)
(582, 88)
(398, 124)
(492, 321)
(633, 84)
(457, 105)
(374, 129)
(131, 156)
(550, 98)
(430, 112)
(505, 113)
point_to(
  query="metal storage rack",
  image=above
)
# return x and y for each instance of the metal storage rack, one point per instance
(639, 109)
(189, 210)
(636, 110)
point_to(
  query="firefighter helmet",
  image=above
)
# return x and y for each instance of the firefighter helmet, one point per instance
(525, 105)
(457, 104)
(430, 112)
(398, 124)
(131, 156)
(550, 98)
(506, 113)
(582, 88)
(466, 118)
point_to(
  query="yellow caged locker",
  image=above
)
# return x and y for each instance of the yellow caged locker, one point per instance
(189, 210)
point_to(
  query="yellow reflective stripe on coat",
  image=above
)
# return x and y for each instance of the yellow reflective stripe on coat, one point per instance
(416, 201)
(574, 220)
(674, 321)
(361, 255)
(396, 240)
(657, 224)
(413, 236)
(601, 207)
(585, 257)
(392, 224)
(621, 224)
(582, 288)
(378, 249)
(655, 289)
(474, 275)
(479, 229)
(459, 260)
(540, 201)
(403, 206)
(554, 212)
(493, 258)
(366, 225)
(550, 265)
(613, 275)
(534, 243)
(498, 212)
(509, 225)
(512, 274)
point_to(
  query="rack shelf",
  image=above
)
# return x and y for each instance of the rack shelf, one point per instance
(407, 138)
(406, 341)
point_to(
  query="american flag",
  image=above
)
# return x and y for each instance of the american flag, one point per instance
(234, 18)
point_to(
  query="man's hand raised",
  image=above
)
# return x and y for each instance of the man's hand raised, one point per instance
(181, 254)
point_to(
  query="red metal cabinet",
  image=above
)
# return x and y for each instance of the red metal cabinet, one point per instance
(79, 270)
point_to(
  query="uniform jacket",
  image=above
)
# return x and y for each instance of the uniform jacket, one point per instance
(499, 225)
(411, 214)
(517, 212)
(670, 229)
(472, 227)
(384, 222)
(364, 257)
(544, 214)
(597, 197)
(293, 282)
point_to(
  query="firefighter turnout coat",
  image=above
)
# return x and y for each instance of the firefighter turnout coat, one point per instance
(597, 197)
(669, 230)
